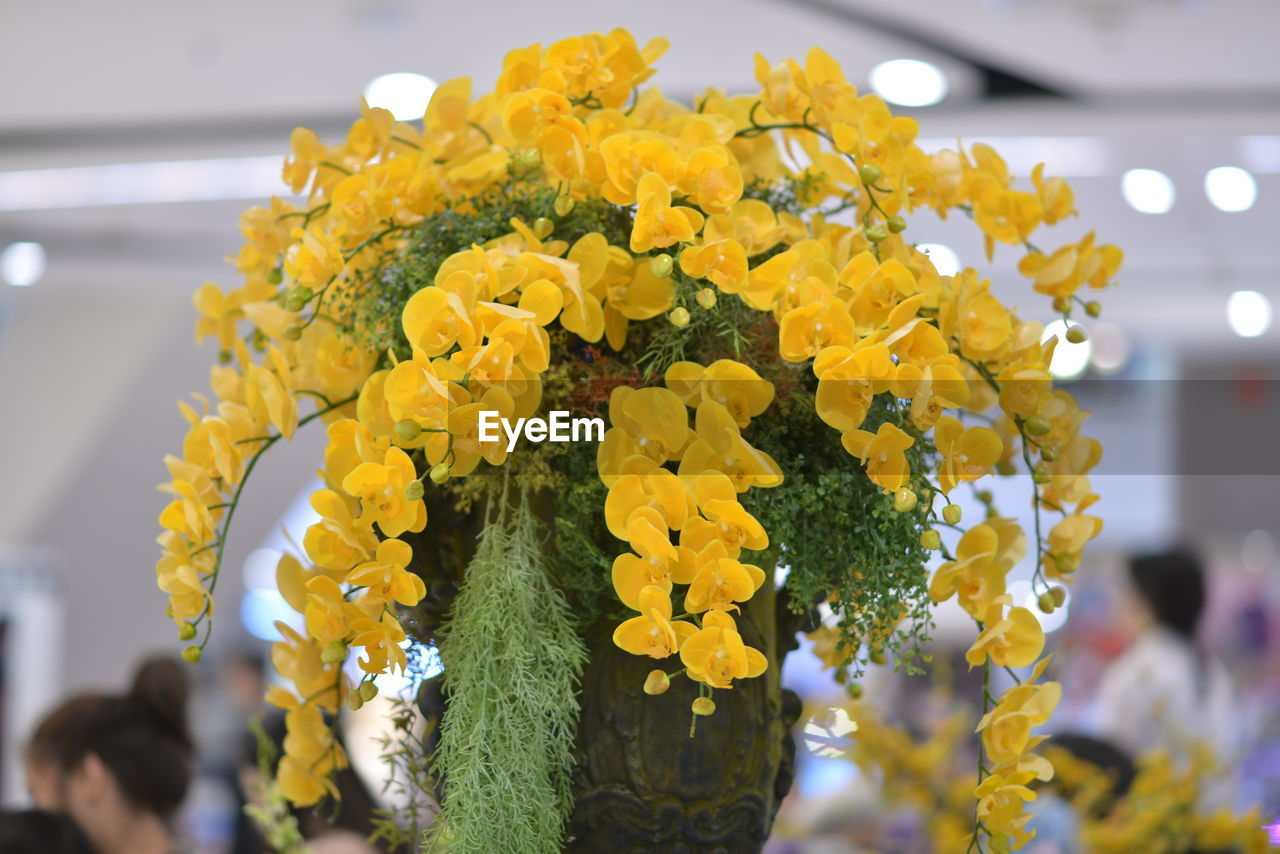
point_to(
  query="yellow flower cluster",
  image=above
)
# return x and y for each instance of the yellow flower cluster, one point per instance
(853, 299)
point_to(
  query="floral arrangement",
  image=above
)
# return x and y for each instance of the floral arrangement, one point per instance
(1161, 812)
(732, 285)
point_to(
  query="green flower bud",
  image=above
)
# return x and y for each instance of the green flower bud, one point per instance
(869, 173)
(904, 500)
(951, 514)
(657, 682)
(186, 631)
(408, 429)
(704, 706)
(1045, 603)
(224, 356)
(706, 298)
(1062, 305)
(897, 224)
(292, 332)
(368, 690)
(1049, 454)
(1037, 425)
(439, 473)
(662, 265)
(876, 233)
(334, 653)
(275, 276)
(1059, 595)
(529, 158)
(413, 490)
(855, 690)
(1041, 475)
(355, 701)
(192, 654)
(562, 205)
(542, 228)
(1066, 564)
(1093, 308)
(1076, 335)
(679, 317)
(931, 540)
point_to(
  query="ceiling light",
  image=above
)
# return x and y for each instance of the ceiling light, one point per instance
(1248, 313)
(1148, 191)
(22, 264)
(405, 94)
(909, 82)
(1230, 188)
(944, 258)
(1069, 360)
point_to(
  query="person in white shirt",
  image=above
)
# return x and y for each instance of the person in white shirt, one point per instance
(1164, 691)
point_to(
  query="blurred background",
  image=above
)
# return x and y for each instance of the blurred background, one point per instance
(133, 133)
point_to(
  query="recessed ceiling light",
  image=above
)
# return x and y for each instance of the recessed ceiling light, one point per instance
(1148, 190)
(944, 258)
(1248, 313)
(405, 94)
(909, 82)
(22, 264)
(1230, 188)
(1069, 360)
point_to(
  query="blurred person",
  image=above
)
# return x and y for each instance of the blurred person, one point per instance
(41, 832)
(1165, 691)
(119, 765)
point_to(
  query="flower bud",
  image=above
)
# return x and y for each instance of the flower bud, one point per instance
(1045, 603)
(529, 159)
(1076, 335)
(657, 682)
(1041, 475)
(292, 332)
(931, 540)
(679, 317)
(439, 473)
(1062, 305)
(275, 276)
(408, 429)
(896, 224)
(368, 690)
(704, 706)
(985, 496)
(661, 265)
(334, 653)
(1066, 564)
(904, 500)
(562, 205)
(1037, 425)
(354, 701)
(1005, 467)
(542, 228)
(1049, 454)
(951, 514)
(192, 654)
(877, 656)
(706, 298)
(186, 631)
(224, 357)
(876, 233)
(413, 490)
(855, 690)
(1059, 595)
(869, 173)
(1093, 308)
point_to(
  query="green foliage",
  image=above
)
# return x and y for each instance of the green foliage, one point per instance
(405, 755)
(512, 664)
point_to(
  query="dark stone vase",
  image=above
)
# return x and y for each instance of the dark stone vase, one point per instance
(642, 784)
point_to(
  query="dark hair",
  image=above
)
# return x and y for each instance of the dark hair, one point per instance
(41, 832)
(141, 737)
(1172, 584)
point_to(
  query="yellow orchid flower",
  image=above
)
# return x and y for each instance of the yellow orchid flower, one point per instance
(807, 330)
(653, 633)
(720, 448)
(380, 488)
(652, 422)
(1006, 729)
(1014, 639)
(336, 542)
(882, 453)
(386, 577)
(848, 377)
(381, 637)
(984, 556)
(298, 659)
(721, 582)
(657, 223)
(716, 655)
(969, 454)
(733, 385)
(435, 319)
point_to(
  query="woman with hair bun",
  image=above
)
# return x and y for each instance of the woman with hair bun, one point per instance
(120, 765)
